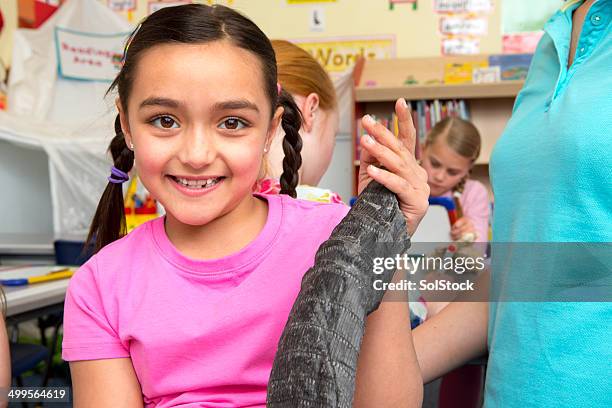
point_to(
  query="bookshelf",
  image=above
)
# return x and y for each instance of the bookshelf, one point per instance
(379, 83)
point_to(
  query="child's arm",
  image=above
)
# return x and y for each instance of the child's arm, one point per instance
(388, 373)
(105, 383)
(457, 334)
(5, 360)
(475, 202)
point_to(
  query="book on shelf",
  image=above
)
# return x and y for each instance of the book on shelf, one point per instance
(425, 115)
(512, 66)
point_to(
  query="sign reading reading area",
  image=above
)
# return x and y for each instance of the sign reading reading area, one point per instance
(88, 56)
(338, 54)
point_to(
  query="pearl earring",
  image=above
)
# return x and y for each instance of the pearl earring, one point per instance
(131, 146)
(265, 150)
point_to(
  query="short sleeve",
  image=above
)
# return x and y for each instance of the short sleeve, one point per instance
(475, 201)
(88, 332)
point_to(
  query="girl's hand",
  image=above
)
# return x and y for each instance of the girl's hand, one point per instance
(401, 174)
(462, 227)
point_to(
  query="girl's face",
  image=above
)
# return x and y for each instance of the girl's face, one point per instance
(445, 167)
(199, 119)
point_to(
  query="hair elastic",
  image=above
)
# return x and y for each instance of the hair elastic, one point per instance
(117, 176)
(279, 88)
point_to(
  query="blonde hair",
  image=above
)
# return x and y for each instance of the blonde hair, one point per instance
(461, 136)
(299, 73)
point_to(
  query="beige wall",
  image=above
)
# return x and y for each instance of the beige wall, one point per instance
(416, 31)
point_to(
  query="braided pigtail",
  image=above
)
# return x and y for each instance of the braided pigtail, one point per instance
(460, 185)
(108, 223)
(291, 122)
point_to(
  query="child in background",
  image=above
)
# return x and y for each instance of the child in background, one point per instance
(314, 93)
(188, 308)
(451, 149)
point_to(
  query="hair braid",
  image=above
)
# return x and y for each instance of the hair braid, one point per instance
(291, 122)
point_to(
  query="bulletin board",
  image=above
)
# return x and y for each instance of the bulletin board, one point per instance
(338, 31)
(412, 26)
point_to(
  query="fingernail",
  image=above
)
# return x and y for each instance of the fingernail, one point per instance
(370, 120)
(373, 169)
(368, 139)
(404, 103)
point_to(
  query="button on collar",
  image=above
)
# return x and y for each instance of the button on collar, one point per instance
(596, 19)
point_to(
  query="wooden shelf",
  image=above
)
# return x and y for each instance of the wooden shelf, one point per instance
(505, 89)
(378, 83)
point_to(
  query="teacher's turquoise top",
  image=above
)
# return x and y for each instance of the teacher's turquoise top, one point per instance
(551, 173)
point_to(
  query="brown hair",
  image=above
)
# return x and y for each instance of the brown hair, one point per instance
(300, 74)
(188, 24)
(461, 136)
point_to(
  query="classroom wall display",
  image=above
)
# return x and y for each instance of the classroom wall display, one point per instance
(462, 24)
(463, 6)
(417, 31)
(460, 46)
(339, 54)
(474, 26)
(523, 22)
(88, 56)
(392, 3)
(68, 119)
(122, 5)
(33, 13)
(519, 43)
(317, 19)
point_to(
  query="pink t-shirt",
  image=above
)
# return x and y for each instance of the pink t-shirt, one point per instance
(200, 333)
(475, 203)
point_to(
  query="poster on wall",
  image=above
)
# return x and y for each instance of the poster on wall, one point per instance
(340, 53)
(458, 25)
(317, 19)
(463, 6)
(460, 46)
(392, 3)
(88, 56)
(122, 5)
(521, 43)
(523, 22)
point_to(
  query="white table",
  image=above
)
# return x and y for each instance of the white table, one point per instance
(30, 301)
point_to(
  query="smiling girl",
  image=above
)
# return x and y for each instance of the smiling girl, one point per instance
(187, 309)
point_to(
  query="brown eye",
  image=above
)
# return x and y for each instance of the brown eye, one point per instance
(233, 124)
(164, 122)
